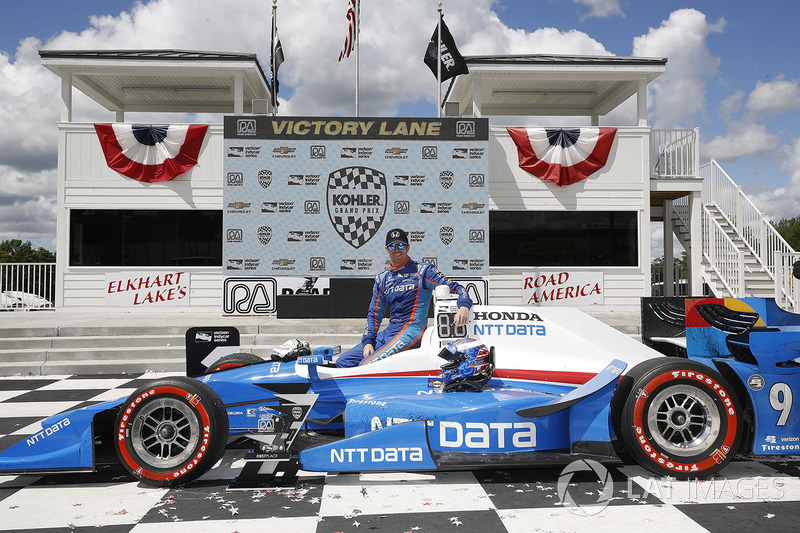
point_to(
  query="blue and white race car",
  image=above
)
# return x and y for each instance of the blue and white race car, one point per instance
(521, 386)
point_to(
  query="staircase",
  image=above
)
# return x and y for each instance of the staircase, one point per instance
(115, 348)
(743, 256)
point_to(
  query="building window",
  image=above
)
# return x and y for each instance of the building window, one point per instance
(118, 237)
(563, 238)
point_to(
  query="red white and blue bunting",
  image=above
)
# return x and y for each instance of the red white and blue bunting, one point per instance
(151, 153)
(563, 156)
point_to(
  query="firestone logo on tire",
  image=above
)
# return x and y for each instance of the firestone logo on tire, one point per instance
(356, 200)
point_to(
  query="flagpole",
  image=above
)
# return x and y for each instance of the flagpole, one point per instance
(274, 97)
(439, 65)
(358, 28)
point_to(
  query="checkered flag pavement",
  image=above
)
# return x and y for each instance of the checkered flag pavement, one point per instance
(357, 229)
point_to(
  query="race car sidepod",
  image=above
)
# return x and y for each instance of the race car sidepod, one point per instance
(456, 430)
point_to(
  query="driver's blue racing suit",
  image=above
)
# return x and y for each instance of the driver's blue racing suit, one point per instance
(407, 291)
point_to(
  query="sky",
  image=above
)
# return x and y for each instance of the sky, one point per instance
(729, 72)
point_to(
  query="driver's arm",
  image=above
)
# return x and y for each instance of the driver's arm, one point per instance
(462, 316)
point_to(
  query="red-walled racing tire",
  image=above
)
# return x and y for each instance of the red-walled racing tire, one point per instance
(234, 360)
(171, 431)
(681, 419)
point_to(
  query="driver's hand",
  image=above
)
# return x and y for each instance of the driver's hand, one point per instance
(462, 316)
(368, 350)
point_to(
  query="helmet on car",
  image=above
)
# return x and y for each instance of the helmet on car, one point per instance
(469, 365)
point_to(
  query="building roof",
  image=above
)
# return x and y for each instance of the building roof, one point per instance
(540, 85)
(166, 81)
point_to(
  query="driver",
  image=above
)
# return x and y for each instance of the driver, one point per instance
(406, 289)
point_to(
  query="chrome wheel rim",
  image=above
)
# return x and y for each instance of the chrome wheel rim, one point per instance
(683, 420)
(165, 433)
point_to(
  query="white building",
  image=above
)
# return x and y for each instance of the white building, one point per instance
(108, 223)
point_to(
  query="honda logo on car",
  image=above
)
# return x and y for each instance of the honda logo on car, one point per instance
(498, 435)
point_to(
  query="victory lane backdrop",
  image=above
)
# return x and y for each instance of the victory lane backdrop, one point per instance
(314, 196)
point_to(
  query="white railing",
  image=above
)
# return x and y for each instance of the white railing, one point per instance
(722, 255)
(27, 286)
(680, 285)
(750, 223)
(675, 153)
(787, 287)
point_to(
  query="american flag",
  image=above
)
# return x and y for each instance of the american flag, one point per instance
(352, 30)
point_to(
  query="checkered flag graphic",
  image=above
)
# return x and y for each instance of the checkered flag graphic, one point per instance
(348, 188)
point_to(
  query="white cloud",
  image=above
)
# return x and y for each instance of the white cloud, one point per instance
(33, 218)
(679, 94)
(731, 105)
(782, 202)
(774, 97)
(601, 8)
(742, 139)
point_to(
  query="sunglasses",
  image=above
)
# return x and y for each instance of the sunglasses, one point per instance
(396, 245)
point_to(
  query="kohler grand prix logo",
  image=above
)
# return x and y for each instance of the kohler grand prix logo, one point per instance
(356, 199)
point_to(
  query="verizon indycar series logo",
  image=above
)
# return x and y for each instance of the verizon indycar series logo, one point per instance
(356, 201)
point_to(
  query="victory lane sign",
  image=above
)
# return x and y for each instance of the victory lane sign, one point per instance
(312, 196)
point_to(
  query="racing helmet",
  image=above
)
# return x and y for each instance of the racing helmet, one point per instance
(469, 365)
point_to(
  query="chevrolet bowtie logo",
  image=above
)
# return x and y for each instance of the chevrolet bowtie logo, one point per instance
(283, 262)
(283, 150)
(238, 205)
(472, 205)
(396, 151)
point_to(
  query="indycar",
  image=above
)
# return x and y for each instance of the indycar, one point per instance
(563, 386)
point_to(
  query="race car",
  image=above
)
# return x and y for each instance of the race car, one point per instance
(755, 345)
(515, 387)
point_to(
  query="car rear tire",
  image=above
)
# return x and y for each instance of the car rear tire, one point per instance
(681, 418)
(234, 360)
(171, 431)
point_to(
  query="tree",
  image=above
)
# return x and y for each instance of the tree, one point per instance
(30, 277)
(789, 229)
(657, 267)
(16, 251)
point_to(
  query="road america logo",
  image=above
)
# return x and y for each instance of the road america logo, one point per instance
(265, 178)
(356, 201)
(446, 179)
(446, 234)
